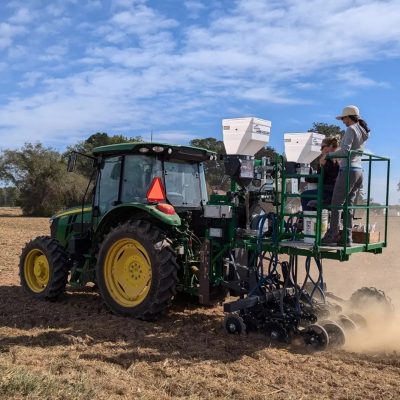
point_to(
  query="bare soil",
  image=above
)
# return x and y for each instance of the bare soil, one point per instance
(76, 349)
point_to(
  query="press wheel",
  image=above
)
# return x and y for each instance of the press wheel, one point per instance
(346, 323)
(315, 338)
(337, 337)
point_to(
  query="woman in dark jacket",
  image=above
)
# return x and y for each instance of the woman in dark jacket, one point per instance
(331, 171)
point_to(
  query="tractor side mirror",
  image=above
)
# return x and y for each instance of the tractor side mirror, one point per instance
(71, 162)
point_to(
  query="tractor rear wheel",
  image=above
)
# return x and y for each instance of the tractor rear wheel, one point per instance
(43, 268)
(136, 270)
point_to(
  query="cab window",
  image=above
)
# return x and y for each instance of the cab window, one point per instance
(139, 171)
(108, 184)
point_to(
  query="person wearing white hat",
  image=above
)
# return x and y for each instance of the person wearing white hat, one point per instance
(356, 134)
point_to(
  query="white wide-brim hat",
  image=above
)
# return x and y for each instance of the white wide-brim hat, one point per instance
(349, 110)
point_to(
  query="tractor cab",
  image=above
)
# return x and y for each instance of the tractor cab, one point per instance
(149, 173)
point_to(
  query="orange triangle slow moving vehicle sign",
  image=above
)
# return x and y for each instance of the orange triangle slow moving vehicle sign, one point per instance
(156, 191)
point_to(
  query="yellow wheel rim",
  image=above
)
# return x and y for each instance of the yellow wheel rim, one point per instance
(127, 272)
(36, 270)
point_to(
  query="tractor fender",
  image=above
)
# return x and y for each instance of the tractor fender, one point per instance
(123, 212)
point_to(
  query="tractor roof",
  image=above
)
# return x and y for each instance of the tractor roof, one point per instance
(161, 149)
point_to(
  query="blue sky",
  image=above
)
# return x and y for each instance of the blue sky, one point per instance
(69, 68)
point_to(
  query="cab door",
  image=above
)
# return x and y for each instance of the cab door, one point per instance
(108, 185)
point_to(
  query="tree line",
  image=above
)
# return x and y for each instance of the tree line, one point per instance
(35, 177)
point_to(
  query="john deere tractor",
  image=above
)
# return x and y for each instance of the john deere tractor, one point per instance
(138, 240)
(151, 231)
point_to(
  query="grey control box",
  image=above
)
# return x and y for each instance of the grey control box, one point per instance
(222, 211)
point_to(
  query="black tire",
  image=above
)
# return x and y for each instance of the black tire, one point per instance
(337, 337)
(275, 332)
(150, 246)
(234, 324)
(51, 262)
(366, 297)
(315, 338)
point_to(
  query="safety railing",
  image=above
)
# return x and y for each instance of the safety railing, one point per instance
(370, 159)
(345, 207)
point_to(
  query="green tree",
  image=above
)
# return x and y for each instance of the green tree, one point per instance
(209, 143)
(39, 174)
(84, 166)
(266, 152)
(214, 170)
(327, 129)
(8, 196)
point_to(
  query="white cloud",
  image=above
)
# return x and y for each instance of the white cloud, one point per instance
(55, 10)
(135, 67)
(127, 3)
(54, 53)
(355, 78)
(8, 32)
(270, 94)
(194, 8)
(169, 136)
(17, 51)
(94, 4)
(306, 85)
(51, 27)
(141, 20)
(22, 16)
(298, 37)
(5, 42)
(30, 79)
(86, 103)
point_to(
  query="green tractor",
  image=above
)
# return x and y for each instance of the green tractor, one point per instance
(138, 240)
(151, 231)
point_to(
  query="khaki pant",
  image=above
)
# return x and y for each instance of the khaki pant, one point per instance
(340, 196)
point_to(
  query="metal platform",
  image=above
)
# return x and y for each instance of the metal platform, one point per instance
(333, 252)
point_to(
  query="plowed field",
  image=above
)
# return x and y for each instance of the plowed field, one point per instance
(76, 349)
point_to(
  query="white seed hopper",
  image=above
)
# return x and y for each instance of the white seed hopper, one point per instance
(245, 136)
(303, 147)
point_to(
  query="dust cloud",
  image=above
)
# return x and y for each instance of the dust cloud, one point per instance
(381, 334)
(381, 271)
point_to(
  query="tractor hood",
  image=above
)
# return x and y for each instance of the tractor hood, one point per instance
(71, 211)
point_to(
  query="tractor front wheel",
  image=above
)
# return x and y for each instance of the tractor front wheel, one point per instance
(43, 268)
(136, 270)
